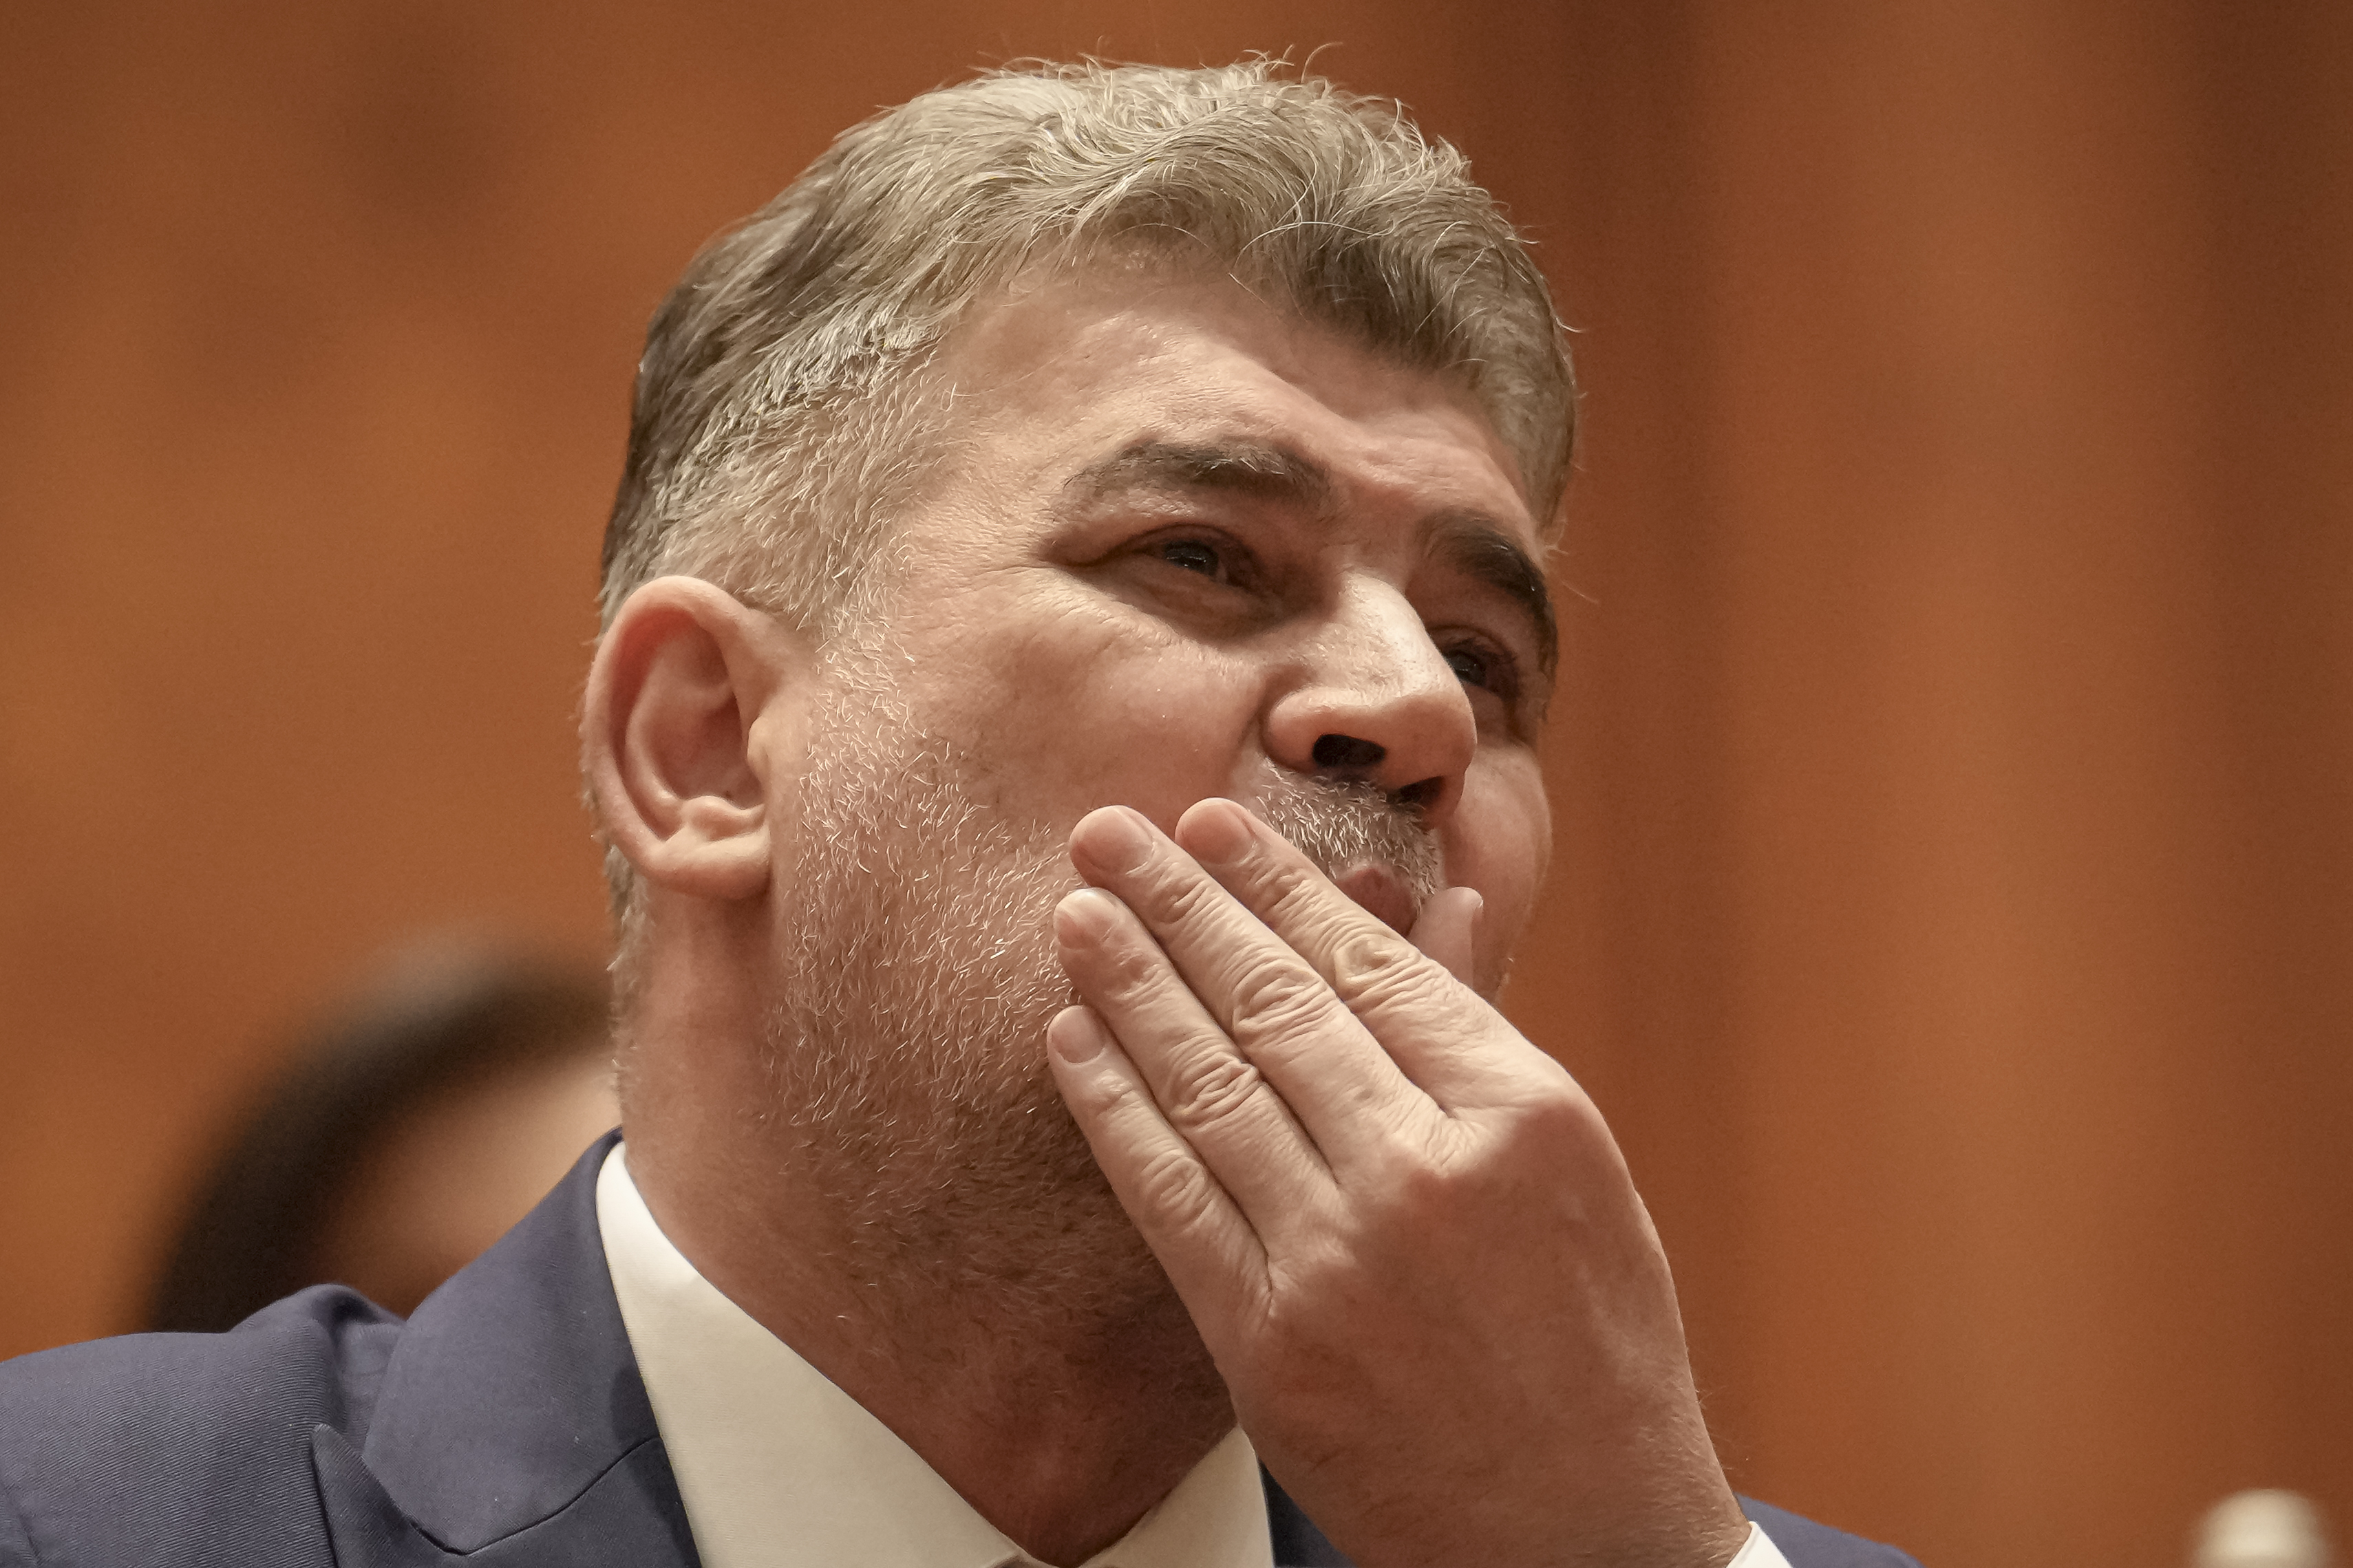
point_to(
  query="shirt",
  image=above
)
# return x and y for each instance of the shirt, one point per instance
(779, 1469)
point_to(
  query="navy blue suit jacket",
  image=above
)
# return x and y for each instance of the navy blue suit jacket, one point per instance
(503, 1425)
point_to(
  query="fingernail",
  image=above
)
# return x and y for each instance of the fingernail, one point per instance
(1116, 837)
(1218, 833)
(1075, 1035)
(1084, 916)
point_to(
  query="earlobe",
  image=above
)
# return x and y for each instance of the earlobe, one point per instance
(679, 679)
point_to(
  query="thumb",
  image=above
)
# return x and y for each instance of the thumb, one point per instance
(1448, 929)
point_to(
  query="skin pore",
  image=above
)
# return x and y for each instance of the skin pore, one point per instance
(1184, 545)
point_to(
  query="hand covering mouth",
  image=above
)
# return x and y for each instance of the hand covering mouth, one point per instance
(1382, 893)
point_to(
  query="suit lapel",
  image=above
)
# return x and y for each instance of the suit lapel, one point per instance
(511, 1426)
(630, 1515)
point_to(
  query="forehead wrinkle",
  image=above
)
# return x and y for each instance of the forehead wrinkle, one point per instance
(1482, 550)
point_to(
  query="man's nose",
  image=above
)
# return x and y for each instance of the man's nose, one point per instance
(1373, 699)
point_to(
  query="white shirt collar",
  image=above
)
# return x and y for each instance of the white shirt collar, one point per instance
(779, 1469)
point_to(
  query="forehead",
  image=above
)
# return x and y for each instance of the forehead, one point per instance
(1054, 376)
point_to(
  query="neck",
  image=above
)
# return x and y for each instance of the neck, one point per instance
(1026, 1345)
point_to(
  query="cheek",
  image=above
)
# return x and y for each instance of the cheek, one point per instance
(1088, 711)
(1500, 844)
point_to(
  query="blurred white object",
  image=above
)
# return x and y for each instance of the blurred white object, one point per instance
(2262, 1530)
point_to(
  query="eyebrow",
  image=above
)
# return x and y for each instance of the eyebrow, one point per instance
(1248, 467)
(1470, 541)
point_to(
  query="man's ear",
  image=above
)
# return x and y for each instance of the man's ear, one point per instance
(680, 679)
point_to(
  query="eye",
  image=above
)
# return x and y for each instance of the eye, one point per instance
(1195, 555)
(1479, 666)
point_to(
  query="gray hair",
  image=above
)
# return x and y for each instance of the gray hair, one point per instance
(779, 423)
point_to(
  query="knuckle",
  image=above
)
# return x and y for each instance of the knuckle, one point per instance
(1108, 1103)
(1173, 1187)
(1096, 1098)
(1278, 892)
(1129, 970)
(1428, 1182)
(1379, 972)
(1184, 897)
(1211, 1089)
(1273, 995)
(1285, 888)
(1548, 1123)
(1419, 1189)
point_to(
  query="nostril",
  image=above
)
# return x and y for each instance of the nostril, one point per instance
(1420, 797)
(1347, 752)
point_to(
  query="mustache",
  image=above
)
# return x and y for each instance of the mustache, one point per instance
(1346, 825)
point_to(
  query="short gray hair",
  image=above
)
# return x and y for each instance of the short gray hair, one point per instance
(779, 425)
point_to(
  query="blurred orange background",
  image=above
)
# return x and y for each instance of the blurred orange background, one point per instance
(1955, 773)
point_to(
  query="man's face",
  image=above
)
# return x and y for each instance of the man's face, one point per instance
(1185, 544)
(1181, 545)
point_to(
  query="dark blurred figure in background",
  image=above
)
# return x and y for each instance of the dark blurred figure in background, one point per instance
(401, 1140)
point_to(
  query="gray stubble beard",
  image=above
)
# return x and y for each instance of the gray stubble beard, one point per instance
(907, 1053)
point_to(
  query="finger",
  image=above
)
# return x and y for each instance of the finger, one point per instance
(1179, 1207)
(1269, 1000)
(1207, 1089)
(1447, 929)
(1447, 1039)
